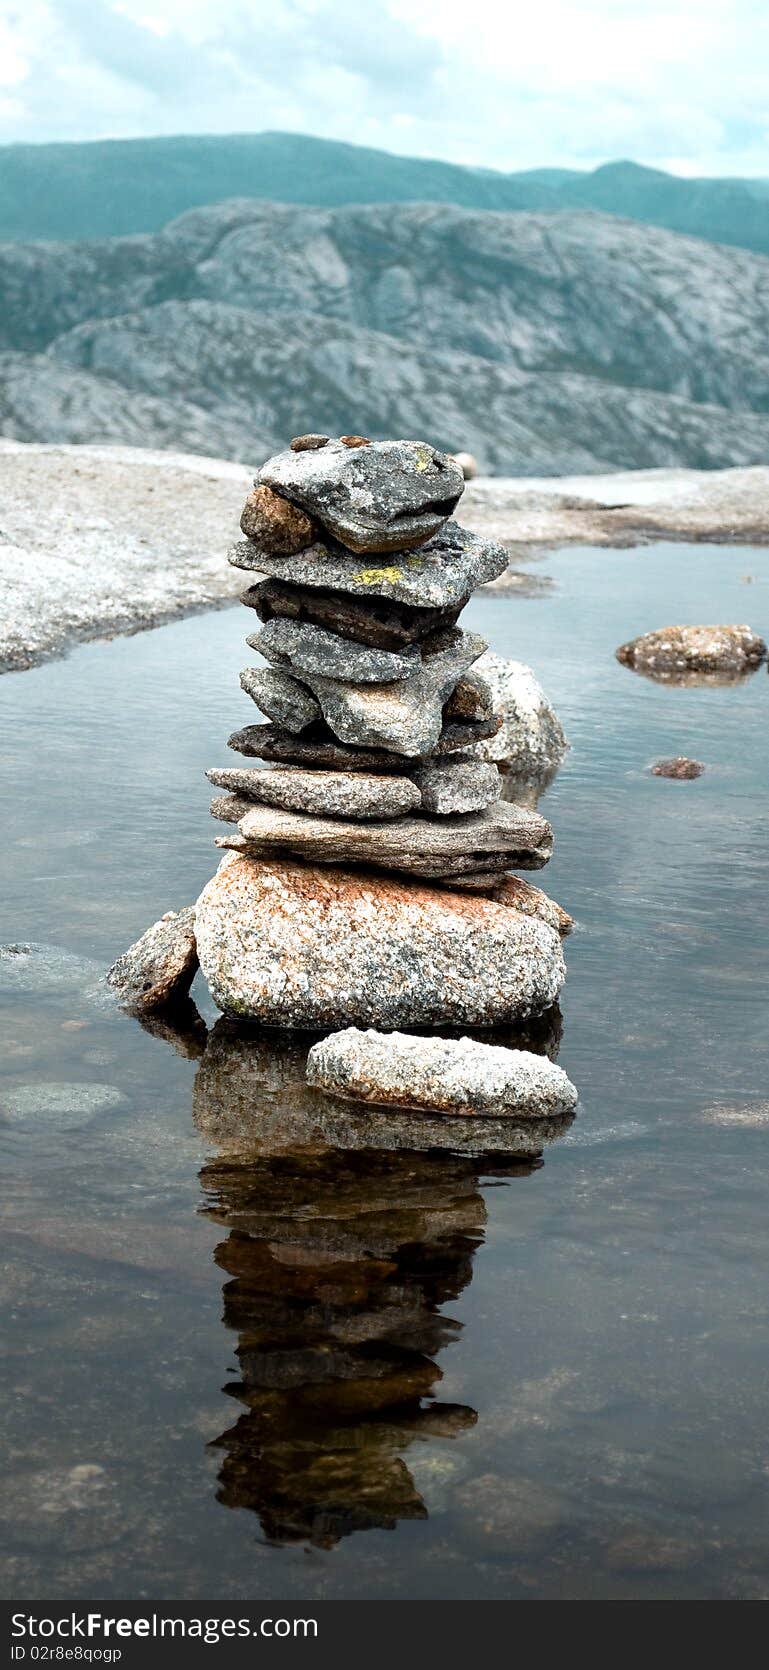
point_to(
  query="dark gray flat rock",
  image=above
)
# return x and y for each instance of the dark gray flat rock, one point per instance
(281, 697)
(380, 496)
(316, 749)
(443, 573)
(406, 716)
(501, 837)
(332, 794)
(313, 649)
(366, 620)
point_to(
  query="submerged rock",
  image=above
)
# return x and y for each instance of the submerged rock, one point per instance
(693, 649)
(442, 574)
(331, 794)
(372, 496)
(275, 524)
(160, 966)
(441, 1075)
(296, 945)
(531, 739)
(681, 769)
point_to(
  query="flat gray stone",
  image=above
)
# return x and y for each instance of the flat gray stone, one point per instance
(282, 697)
(160, 966)
(294, 945)
(405, 717)
(439, 1075)
(312, 649)
(502, 837)
(230, 808)
(530, 738)
(332, 794)
(384, 496)
(366, 620)
(443, 573)
(316, 749)
(449, 786)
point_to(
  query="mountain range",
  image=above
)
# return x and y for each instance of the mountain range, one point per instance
(110, 188)
(546, 343)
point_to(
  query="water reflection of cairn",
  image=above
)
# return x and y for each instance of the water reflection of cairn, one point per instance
(339, 1256)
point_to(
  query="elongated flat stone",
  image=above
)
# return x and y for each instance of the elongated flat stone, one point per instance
(292, 945)
(449, 787)
(504, 835)
(439, 1075)
(406, 717)
(281, 697)
(382, 496)
(311, 649)
(317, 748)
(368, 620)
(442, 574)
(332, 794)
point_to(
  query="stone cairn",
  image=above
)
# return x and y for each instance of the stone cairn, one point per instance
(368, 878)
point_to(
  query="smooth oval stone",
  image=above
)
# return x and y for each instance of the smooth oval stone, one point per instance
(375, 496)
(297, 945)
(439, 1075)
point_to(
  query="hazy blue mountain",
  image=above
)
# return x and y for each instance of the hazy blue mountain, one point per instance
(544, 343)
(108, 188)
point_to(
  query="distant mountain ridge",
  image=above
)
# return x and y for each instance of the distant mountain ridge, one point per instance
(570, 342)
(111, 188)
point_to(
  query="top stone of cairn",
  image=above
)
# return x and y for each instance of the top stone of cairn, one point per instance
(376, 496)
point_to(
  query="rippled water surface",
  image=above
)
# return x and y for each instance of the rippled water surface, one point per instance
(341, 1373)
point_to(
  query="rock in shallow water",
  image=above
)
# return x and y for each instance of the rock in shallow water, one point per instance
(378, 496)
(294, 945)
(680, 769)
(440, 1075)
(681, 649)
(531, 737)
(160, 966)
(441, 575)
(331, 794)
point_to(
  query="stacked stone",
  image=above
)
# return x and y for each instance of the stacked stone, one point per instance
(373, 709)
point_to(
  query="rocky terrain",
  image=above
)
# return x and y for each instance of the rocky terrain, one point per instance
(545, 344)
(99, 540)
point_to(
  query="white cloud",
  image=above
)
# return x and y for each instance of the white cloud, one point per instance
(682, 84)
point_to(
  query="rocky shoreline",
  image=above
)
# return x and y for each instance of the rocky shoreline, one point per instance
(96, 541)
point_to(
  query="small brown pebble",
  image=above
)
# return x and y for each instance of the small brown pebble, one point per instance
(308, 443)
(681, 769)
(355, 440)
(274, 524)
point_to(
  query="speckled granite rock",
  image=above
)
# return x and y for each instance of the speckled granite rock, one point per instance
(365, 620)
(531, 737)
(282, 697)
(293, 945)
(330, 794)
(694, 649)
(522, 895)
(275, 524)
(405, 717)
(449, 786)
(441, 574)
(471, 698)
(160, 966)
(384, 496)
(439, 1075)
(502, 837)
(311, 649)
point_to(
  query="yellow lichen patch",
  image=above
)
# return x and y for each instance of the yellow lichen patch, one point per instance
(379, 576)
(424, 457)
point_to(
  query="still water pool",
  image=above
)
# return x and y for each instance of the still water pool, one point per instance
(392, 1374)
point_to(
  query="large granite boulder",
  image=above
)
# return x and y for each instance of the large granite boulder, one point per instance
(531, 740)
(375, 496)
(438, 1075)
(294, 945)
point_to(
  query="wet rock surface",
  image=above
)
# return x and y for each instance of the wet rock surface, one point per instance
(299, 946)
(460, 1076)
(694, 649)
(380, 496)
(160, 966)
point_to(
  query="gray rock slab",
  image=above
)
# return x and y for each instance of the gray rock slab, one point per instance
(530, 738)
(441, 574)
(318, 749)
(160, 966)
(384, 496)
(332, 794)
(503, 836)
(312, 649)
(694, 649)
(405, 717)
(448, 786)
(293, 945)
(282, 697)
(439, 1075)
(366, 620)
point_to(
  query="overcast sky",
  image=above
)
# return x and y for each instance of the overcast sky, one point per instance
(682, 85)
